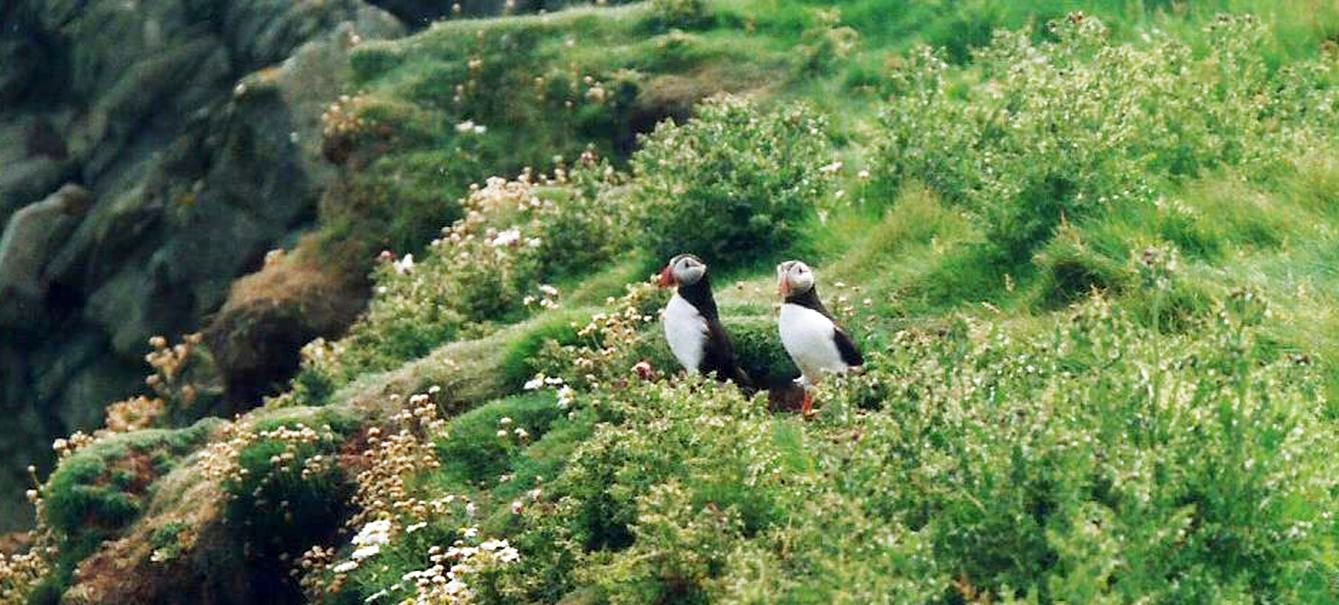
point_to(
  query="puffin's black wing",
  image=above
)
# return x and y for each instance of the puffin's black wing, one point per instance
(850, 355)
(719, 356)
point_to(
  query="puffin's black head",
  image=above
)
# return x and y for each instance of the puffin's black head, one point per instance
(682, 270)
(794, 277)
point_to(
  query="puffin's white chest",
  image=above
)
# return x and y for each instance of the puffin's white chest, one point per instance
(808, 337)
(686, 331)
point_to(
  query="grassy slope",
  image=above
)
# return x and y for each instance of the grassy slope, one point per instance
(913, 255)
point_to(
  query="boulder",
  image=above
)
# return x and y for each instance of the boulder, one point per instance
(29, 240)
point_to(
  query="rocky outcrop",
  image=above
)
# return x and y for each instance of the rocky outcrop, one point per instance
(31, 238)
(257, 335)
(194, 129)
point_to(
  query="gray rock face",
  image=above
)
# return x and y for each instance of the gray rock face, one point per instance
(193, 128)
(31, 238)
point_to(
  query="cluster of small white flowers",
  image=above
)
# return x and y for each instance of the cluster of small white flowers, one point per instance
(370, 539)
(505, 238)
(566, 397)
(404, 266)
(445, 582)
(221, 458)
(507, 432)
(548, 298)
(469, 127)
(620, 336)
(341, 118)
(566, 394)
(65, 447)
(541, 381)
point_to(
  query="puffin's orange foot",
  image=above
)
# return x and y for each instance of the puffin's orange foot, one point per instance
(807, 408)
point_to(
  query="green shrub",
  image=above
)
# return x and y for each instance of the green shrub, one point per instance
(498, 263)
(81, 498)
(667, 14)
(1071, 271)
(98, 491)
(522, 361)
(475, 452)
(735, 185)
(288, 492)
(759, 349)
(826, 42)
(1040, 132)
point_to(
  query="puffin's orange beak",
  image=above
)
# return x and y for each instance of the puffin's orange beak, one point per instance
(783, 286)
(666, 278)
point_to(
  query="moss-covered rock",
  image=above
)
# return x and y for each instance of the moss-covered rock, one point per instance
(210, 527)
(102, 488)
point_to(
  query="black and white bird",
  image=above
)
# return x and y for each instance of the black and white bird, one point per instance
(810, 335)
(692, 325)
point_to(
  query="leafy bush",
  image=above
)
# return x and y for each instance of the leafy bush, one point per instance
(1065, 127)
(735, 185)
(482, 442)
(667, 14)
(285, 490)
(497, 263)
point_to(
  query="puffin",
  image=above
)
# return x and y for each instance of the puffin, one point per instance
(809, 333)
(692, 325)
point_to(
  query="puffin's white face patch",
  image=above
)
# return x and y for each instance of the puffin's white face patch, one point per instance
(795, 277)
(686, 332)
(687, 269)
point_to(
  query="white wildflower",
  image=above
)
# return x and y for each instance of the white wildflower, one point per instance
(365, 552)
(375, 532)
(345, 567)
(506, 238)
(565, 397)
(404, 265)
(469, 127)
(508, 555)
